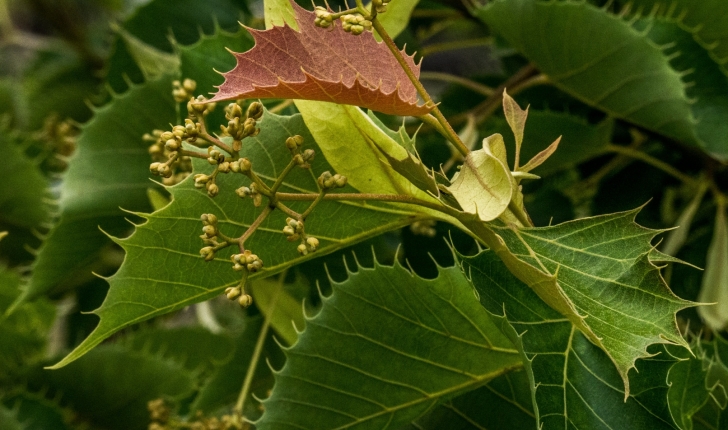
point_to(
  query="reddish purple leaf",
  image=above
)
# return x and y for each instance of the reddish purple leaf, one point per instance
(322, 64)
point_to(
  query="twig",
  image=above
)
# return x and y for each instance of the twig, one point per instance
(465, 82)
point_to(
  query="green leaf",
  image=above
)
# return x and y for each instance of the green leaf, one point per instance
(708, 85)
(573, 382)
(23, 334)
(484, 185)
(707, 20)
(193, 347)
(386, 347)
(93, 192)
(150, 283)
(111, 386)
(24, 190)
(9, 419)
(688, 392)
(602, 266)
(516, 118)
(152, 24)
(36, 412)
(502, 404)
(151, 61)
(618, 68)
(223, 386)
(714, 288)
(580, 140)
(286, 316)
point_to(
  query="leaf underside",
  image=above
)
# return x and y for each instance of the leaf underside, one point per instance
(602, 265)
(574, 383)
(163, 270)
(322, 64)
(386, 347)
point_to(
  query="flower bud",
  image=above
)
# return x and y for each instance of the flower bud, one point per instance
(179, 131)
(243, 192)
(189, 85)
(302, 249)
(233, 110)
(208, 253)
(255, 110)
(212, 189)
(245, 300)
(154, 168)
(245, 165)
(224, 167)
(210, 219)
(312, 243)
(232, 292)
(172, 145)
(166, 136)
(209, 230)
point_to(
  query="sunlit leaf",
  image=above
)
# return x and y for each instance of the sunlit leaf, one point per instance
(714, 289)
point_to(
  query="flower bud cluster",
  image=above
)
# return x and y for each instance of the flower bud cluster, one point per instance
(355, 24)
(327, 181)
(424, 228)
(324, 18)
(246, 261)
(183, 91)
(168, 163)
(198, 107)
(251, 192)
(302, 159)
(233, 293)
(159, 413)
(294, 230)
(209, 236)
(59, 140)
(239, 128)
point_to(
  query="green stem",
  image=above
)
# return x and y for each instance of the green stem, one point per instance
(286, 210)
(467, 83)
(313, 204)
(452, 136)
(652, 161)
(458, 44)
(516, 83)
(254, 226)
(520, 214)
(434, 123)
(245, 390)
(281, 178)
(397, 198)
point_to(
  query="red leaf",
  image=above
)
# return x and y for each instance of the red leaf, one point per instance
(322, 64)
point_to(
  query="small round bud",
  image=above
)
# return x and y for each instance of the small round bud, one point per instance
(201, 180)
(232, 292)
(172, 145)
(208, 253)
(164, 170)
(154, 168)
(212, 189)
(308, 154)
(312, 243)
(245, 300)
(179, 131)
(233, 110)
(166, 136)
(243, 192)
(208, 219)
(340, 181)
(189, 85)
(302, 249)
(209, 230)
(255, 110)
(224, 167)
(245, 165)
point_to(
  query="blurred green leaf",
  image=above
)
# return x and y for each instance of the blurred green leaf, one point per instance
(714, 288)
(287, 311)
(602, 68)
(24, 192)
(110, 387)
(94, 188)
